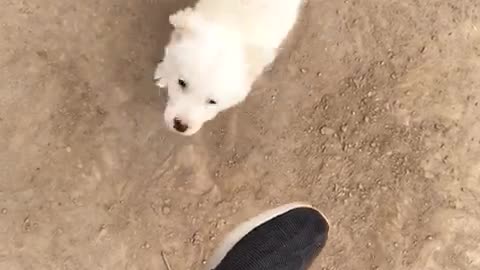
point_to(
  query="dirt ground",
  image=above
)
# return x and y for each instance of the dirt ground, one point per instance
(371, 113)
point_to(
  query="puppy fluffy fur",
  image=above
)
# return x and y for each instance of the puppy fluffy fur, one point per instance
(216, 52)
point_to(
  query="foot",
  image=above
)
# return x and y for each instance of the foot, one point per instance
(289, 238)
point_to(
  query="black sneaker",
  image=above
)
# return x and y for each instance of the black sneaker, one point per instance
(289, 237)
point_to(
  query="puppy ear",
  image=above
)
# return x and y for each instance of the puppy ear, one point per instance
(158, 76)
(183, 20)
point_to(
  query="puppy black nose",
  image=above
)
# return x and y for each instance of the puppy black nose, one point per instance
(179, 126)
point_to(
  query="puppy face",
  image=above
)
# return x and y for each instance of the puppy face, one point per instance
(204, 71)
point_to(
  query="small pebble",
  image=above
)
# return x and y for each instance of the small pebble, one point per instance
(327, 131)
(196, 239)
(68, 149)
(166, 210)
(220, 223)
(4, 211)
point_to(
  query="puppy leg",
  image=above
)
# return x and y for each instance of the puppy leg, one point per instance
(158, 77)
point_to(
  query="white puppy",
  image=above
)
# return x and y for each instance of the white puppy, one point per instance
(216, 52)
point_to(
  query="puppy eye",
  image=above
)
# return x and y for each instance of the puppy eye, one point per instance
(182, 83)
(211, 102)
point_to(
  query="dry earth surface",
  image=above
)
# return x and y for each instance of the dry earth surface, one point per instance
(371, 113)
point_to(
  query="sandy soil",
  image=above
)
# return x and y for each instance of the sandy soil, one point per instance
(371, 113)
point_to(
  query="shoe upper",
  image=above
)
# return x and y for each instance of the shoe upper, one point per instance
(290, 241)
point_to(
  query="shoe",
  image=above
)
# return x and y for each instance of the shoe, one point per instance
(289, 237)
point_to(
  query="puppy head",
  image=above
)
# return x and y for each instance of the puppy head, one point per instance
(204, 70)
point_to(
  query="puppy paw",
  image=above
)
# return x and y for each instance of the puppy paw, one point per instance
(158, 76)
